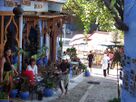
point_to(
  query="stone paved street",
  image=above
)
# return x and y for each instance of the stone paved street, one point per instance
(87, 89)
(92, 89)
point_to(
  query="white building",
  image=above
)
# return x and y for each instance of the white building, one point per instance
(96, 41)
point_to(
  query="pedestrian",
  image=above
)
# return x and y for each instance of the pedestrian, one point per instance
(90, 59)
(104, 63)
(64, 82)
(110, 55)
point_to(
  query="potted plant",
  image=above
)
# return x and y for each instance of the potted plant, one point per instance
(24, 91)
(87, 73)
(13, 93)
(4, 96)
(86, 70)
(41, 57)
(48, 90)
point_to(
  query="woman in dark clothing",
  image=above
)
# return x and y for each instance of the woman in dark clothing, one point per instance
(7, 69)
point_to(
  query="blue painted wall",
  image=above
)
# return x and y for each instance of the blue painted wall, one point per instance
(130, 47)
(55, 6)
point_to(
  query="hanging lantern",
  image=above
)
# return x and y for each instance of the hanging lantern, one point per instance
(18, 11)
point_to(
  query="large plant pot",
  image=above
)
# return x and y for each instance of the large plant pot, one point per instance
(1, 88)
(13, 93)
(24, 95)
(87, 73)
(4, 100)
(48, 92)
(40, 95)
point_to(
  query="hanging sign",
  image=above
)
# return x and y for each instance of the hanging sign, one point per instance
(26, 2)
(38, 5)
(9, 3)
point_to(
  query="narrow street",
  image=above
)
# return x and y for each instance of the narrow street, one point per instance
(92, 89)
(95, 88)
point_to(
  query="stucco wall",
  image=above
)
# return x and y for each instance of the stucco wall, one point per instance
(130, 49)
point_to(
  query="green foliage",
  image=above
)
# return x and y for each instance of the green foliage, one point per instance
(42, 53)
(72, 52)
(3, 95)
(115, 100)
(112, 3)
(20, 51)
(90, 12)
(49, 83)
(83, 66)
(25, 84)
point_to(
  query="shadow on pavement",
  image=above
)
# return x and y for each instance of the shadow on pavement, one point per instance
(93, 82)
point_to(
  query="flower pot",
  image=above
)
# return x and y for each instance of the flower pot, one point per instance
(40, 95)
(48, 92)
(13, 93)
(87, 73)
(24, 95)
(1, 88)
(4, 100)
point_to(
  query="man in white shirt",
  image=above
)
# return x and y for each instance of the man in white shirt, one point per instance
(104, 63)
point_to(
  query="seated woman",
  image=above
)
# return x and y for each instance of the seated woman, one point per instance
(33, 67)
(27, 73)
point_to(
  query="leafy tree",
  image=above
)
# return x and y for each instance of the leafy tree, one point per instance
(91, 12)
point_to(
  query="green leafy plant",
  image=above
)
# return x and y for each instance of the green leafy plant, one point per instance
(3, 95)
(25, 84)
(41, 53)
(83, 66)
(49, 83)
(20, 51)
(72, 52)
(89, 12)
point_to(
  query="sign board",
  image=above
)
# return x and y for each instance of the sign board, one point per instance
(9, 3)
(26, 2)
(36, 6)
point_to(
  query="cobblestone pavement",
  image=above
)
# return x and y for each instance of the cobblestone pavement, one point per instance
(93, 89)
(88, 89)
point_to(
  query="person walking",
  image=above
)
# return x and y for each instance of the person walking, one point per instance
(64, 68)
(104, 63)
(90, 59)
